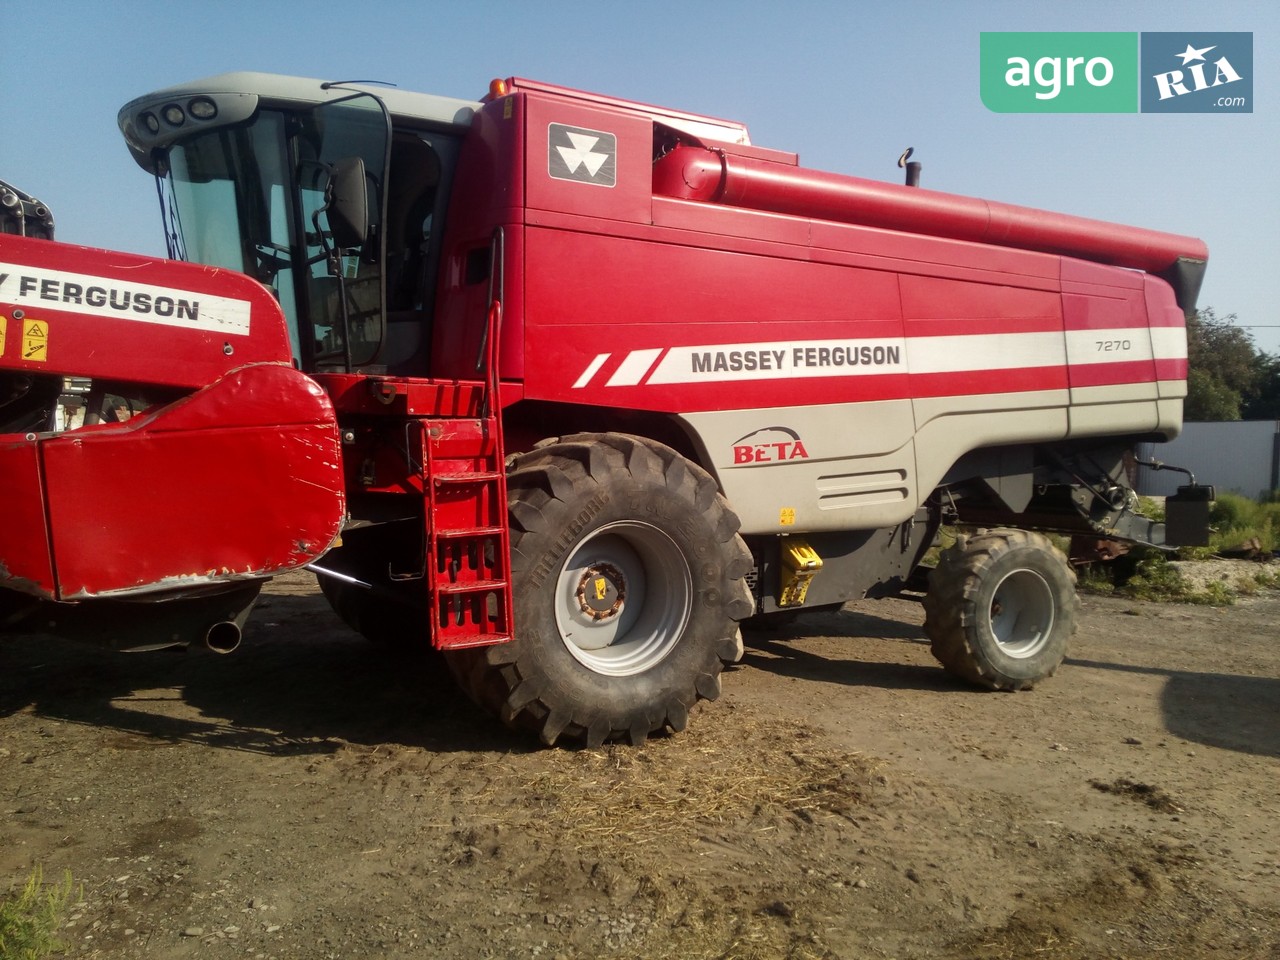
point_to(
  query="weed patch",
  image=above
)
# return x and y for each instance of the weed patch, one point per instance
(29, 919)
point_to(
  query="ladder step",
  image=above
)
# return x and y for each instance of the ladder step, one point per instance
(472, 586)
(476, 477)
(463, 532)
(463, 640)
(467, 539)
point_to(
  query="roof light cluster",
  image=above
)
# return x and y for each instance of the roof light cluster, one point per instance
(176, 114)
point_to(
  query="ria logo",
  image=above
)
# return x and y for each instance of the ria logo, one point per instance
(582, 155)
(769, 445)
(1197, 73)
(1172, 84)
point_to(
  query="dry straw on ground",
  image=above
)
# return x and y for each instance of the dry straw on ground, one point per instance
(683, 784)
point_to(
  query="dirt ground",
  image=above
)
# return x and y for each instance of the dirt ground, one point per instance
(312, 797)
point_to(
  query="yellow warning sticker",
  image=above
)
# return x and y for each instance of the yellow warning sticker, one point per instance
(3, 321)
(35, 340)
(787, 516)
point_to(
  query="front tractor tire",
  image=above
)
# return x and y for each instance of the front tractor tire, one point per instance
(627, 578)
(1000, 609)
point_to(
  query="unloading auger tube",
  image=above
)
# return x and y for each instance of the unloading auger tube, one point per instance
(712, 175)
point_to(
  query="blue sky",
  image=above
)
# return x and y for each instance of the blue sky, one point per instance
(847, 85)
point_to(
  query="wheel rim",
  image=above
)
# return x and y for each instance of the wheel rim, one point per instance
(1022, 612)
(623, 598)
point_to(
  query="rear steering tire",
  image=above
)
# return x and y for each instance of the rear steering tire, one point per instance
(627, 577)
(1001, 608)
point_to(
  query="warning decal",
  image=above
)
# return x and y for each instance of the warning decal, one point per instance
(35, 341)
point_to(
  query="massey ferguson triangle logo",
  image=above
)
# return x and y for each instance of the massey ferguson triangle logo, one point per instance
(769, 445)
(582, 155)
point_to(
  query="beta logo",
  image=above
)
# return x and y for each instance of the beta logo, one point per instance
(1197, 73)
(769, 445)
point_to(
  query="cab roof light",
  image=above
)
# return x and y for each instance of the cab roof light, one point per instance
(497, 88)
(202, 108)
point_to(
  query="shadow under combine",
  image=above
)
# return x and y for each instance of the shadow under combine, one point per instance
(301, 683)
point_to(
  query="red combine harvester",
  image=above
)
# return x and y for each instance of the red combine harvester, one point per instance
(567, 387)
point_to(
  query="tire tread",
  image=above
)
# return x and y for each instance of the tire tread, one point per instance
(566, 470)
(952, 614)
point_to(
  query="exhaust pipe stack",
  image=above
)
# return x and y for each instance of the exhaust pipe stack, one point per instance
(223, 637)
(913, 168)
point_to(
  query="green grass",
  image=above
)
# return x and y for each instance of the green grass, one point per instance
(1238, 519)
(30, 918)
(1151, 508)
(1145, 574)
(1156, 580)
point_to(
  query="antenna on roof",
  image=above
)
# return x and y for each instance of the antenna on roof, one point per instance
(329, 84)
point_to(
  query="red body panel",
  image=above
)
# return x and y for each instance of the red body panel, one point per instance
(488, 195)
(123, 317)
(242, 479)
(591, 295)
(238, 479)
(628, 293)
(252, 467)
(27, 562)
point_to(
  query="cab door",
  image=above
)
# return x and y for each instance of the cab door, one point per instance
(344, 289)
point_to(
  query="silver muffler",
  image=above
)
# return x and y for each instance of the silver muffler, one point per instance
(223, 637)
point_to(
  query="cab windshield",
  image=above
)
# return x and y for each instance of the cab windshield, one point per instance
(252, 198)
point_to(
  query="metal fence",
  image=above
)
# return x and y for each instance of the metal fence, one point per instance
(1241, 456)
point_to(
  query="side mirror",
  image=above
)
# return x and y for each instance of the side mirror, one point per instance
(348, 204)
